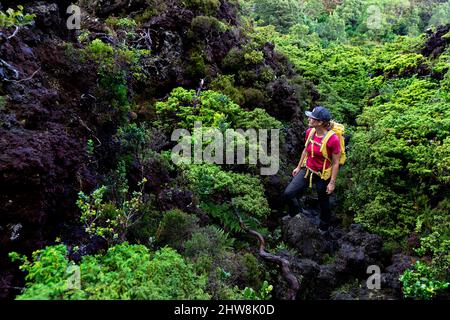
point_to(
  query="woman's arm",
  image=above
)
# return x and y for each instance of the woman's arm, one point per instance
(334, 171)
(300, 163)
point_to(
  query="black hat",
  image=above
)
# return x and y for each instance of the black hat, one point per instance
(319, 113)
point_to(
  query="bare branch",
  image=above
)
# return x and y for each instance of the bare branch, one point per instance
(146, 36)
(294, 285)
(14, 33)
(26, 79)
(90, 130)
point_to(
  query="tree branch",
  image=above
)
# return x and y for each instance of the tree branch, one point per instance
(284, 263)
(26, 79)
(14, 33)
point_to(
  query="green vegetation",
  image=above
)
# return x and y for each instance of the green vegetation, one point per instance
(207, 7)
(419, 282)
(376, 81)
(125, 272)
(363, 59)
(115, 66)
(110, 220)
(242, 194)
(213, 109)
(349, 20)
(17, 18)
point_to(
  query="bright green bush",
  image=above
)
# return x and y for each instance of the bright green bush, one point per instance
(15, 18)
(116, 65)
(419, 282)
(184, 107)
(112, 219)
(124, 272)
(122, 23)
(253, 57)
(404, 63)
(258, 119)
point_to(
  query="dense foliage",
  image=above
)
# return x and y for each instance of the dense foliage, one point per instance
(15, 18)
(173, 231)
(124, 272)
(397, 179)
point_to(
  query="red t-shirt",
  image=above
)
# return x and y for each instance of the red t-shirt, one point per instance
(333, 147)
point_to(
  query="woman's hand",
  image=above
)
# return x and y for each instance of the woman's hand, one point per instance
(330, 187)
(296, 171)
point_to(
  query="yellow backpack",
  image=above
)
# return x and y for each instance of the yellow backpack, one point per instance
(338, 129)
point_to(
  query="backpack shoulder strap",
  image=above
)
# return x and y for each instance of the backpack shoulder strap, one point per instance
(310, 136)
(323, 148)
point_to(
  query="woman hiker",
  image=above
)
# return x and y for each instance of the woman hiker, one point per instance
(314, 167)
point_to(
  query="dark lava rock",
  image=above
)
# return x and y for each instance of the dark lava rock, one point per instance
(304, 236)
(390, 278)
(436, 44)
(357, 250)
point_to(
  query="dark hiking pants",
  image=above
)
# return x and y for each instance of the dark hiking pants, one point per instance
(298, 185)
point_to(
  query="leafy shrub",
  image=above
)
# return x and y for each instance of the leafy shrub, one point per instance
(262, 294)
(15, 18)
(184, 107)
(115, 67)
(124, 272)
(419, 282)
(243, 192)
(209, 241)
(137, 140)
(208, 7)
(226, 84)
(404, 64)
(110, 220)
(175, 228)
(266, 74)
(258, 119)
(206, 27)
(253, 98)
(253, 57)
(196, 67)
(234, 60)
(122, 23)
